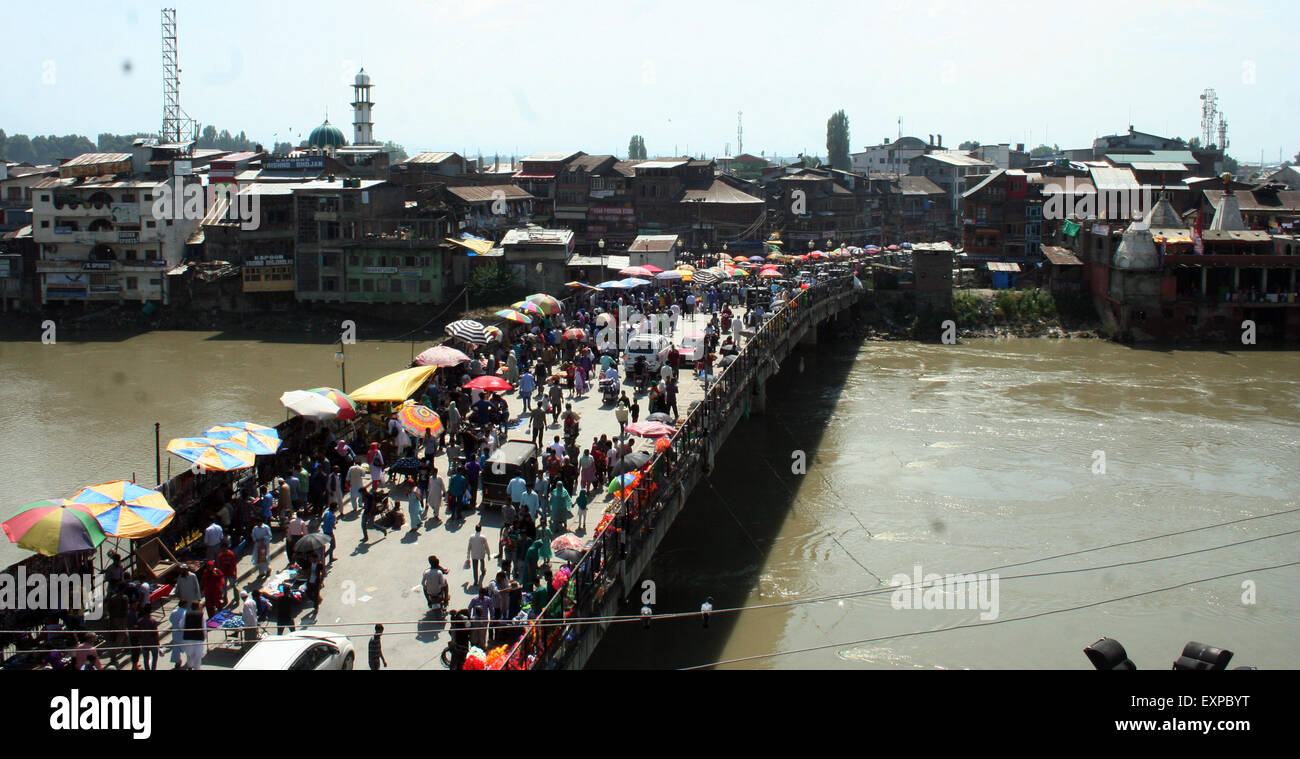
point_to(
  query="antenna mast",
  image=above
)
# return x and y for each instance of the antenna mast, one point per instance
(1209, 115)
(175, 120)
(740, 134)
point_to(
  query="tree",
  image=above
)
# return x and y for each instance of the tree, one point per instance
(282, 148)
(1044, 150)
(395, 152)
(837, 141)
(636, 148)
(1230, 164)
(492, 283)
(969, 145)
(1194, 143)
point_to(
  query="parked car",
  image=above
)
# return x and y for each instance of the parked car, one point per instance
(653, 348)
(301, 650)
(692, 350)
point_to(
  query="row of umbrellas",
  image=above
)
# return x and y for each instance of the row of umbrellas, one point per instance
(119, 509)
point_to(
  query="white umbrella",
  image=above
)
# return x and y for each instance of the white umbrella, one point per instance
(669, 275)
(310, 405)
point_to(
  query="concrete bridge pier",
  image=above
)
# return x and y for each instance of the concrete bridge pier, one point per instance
(809, 337)
(759, 397)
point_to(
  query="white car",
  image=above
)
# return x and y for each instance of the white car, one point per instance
(653, 348)
(301, 650)
(692, 350)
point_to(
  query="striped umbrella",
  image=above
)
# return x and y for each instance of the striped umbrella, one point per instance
(54, 527)
(549, 305)
(510, 314)
(419, 419)
(527, 307)
(706, 277)
(468, 330)
(347, 407)
(125, 509)
(217, 455)
(260, 440)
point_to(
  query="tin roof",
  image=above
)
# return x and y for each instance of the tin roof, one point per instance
(489, 192)
(1061, 256)
(1113, 179)
(721, 193)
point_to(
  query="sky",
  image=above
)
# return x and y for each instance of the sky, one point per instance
(511, 77)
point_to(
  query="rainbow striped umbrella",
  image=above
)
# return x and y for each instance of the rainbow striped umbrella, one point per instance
(547, 303)
(125, 509)
(54, 527)
(419, 419)
(217, 455)
(510, 314)
(347, 406)
(260, 440)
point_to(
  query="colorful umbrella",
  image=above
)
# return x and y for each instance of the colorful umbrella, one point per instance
(630, 479)
(260, 440)
(347, 407)
(54, 527)
(668, 276)
(548, 304)
(515, 316)
(125, 509)
(441, 355)
(490, 384)
(494, 333)
(527, 306)
(217, 455)
(419, 420)
(634, 282)
(575, 333)
(651, 429)
(636, 271)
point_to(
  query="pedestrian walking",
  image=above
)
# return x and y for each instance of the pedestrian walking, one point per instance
(377, 648)
(477, 552)
(261, 536)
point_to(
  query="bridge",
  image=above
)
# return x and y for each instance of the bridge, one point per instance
(626, 541)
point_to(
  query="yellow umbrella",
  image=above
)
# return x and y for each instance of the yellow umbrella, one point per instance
(394, 387)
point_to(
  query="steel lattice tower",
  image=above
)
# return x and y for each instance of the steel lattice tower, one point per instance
(174, 119)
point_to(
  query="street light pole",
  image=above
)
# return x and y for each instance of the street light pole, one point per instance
(341, 358)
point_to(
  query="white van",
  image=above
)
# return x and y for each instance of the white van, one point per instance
(653, 348)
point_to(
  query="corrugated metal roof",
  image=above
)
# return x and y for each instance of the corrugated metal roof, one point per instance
(1061, 256)
(1003, 266)
(487, 193)
(553, 155)
(1172, 156)
(722, 193)
(434, 158)
(661, 164)
(910, 185)
(89, 159)
(1112, 179)
(653, 244)
(956, 159)
(1158, 166)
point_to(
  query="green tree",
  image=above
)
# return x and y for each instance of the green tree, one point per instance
(837, 141)
(1194, 143)
(19, 148)
(636, 148)
(969, 145)
(1043, 150)
(493, 283)
(1230, 164)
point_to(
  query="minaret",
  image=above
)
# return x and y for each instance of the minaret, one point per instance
(363, 129)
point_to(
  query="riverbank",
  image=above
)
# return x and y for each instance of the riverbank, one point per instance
(979, 314)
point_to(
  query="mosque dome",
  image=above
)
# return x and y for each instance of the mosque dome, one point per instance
(326, 136)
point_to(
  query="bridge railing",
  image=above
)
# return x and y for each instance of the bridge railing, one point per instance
(546, 642)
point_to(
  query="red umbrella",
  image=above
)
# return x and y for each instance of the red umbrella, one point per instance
(651, 269)
(490, 384)
(575, 334)
(651, 429)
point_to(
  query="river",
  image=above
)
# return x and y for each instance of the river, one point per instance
(953, 458)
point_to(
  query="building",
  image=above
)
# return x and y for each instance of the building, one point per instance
(1003, 216)
(1267, 207)
(488, 210)
(334, 218)
(748, 167)
(326, 137)
(573, 194)
(817, 205)
(1003, 155)
(1287, 176)
(911, 209)
(932, 265)
(538, 257)
(892, 157)
(363, 127)
(949, 171)
(654, 250)
(611, 213)
(110, 225)
(538, 175)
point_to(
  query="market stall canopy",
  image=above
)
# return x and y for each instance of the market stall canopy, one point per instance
(216, 455)
(395, 387)
(53, 527)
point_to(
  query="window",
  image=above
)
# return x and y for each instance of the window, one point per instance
(354, 260)
(128, 197)
(410, 285)
(381, 285)
(130, 254)
(155, 281)
(368, 285)
(45, 197)
(354, 285)
(147, 196)
(132, 283)
(410, 261)
(314, 657)
(150, 224)
(45, 224)
(426, 286)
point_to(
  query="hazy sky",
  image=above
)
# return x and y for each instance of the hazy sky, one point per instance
(497, 75)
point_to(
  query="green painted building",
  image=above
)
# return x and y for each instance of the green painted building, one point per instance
(395, 273)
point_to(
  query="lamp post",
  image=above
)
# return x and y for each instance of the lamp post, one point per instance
(603, 273)
(340, 359)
